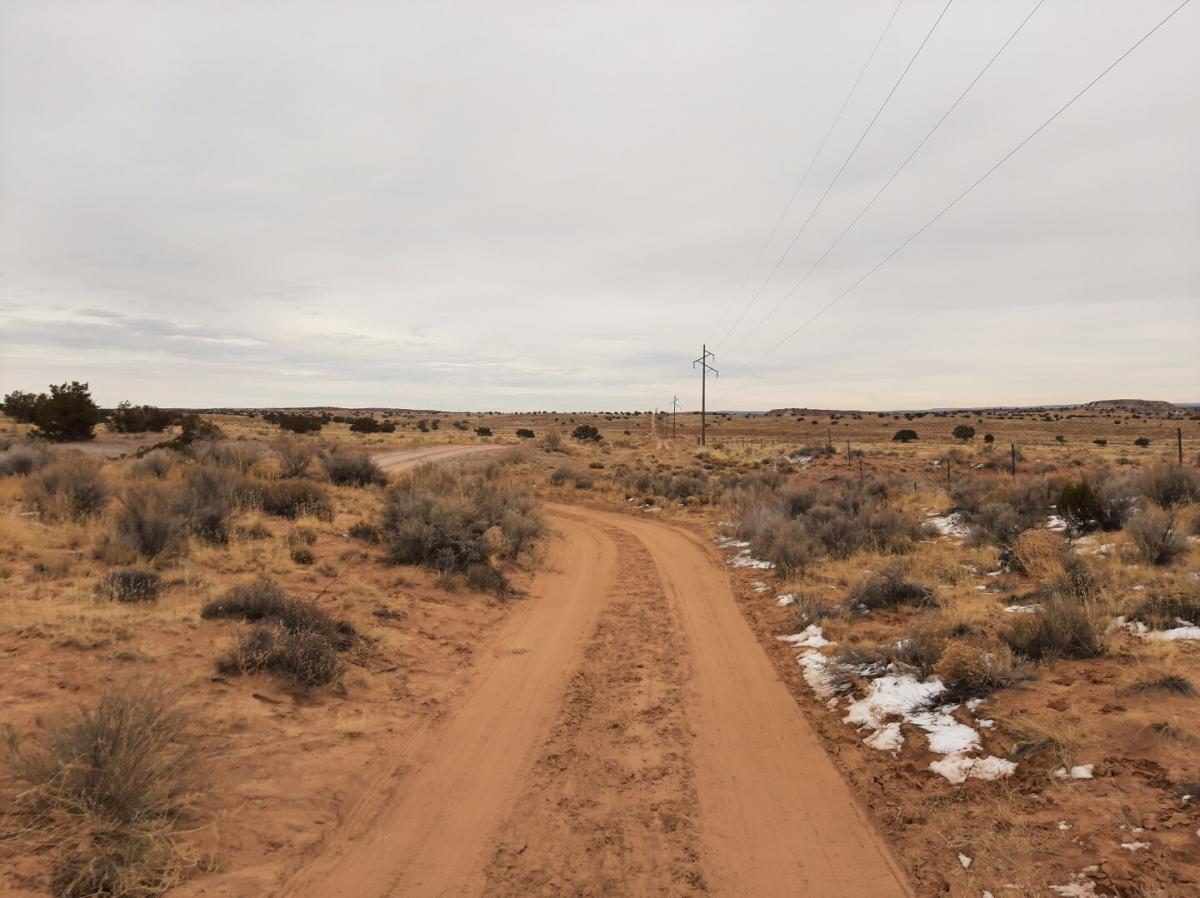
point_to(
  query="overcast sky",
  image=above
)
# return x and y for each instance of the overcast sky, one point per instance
(552, 205)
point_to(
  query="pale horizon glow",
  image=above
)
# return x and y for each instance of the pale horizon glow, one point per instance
(536, 206)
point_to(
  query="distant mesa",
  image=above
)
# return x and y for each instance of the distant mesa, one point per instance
(1141, 406)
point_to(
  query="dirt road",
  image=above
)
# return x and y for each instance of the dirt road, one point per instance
(626, 736)
(402, 459)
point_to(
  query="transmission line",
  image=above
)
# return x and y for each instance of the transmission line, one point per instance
(945, 115)
(817, 207)
(804, 177)
(954, 202)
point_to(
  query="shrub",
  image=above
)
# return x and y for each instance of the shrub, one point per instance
(67, 413)
(72, 487)
(232, 454)
(988, 438)
(364, 531)
(789, 548)
(1154, 533)
(1163, 611)
(295, 422)
(305, 658)
(294, 454)
(1079, 505)
(20, 406)
(552, 441)
(448, 522)
(1170, 485)
(525, 433)
(349, 468)
(483, 431)
(23, 460)
(1142, 441)
(904, 436)
(1116, 499)
(1061, 628)
(263, 602)
(208, 500)
(888, 589)
(151, 521)
(964, 432)
(1038, 553)
(368, 424)
(153, 464)
(1100, 442)
(302, 555)
(293, 498)
(130, 585)
(127, 418)
(971, 671)
(586, 433)
(126, 761)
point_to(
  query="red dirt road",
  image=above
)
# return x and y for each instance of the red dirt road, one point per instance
(626, 735)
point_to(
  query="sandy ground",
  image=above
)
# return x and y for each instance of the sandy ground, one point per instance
(639, 782)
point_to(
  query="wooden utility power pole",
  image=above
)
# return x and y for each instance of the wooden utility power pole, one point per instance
(674, 410)
(705, 367)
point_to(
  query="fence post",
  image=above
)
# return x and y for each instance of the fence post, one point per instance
(1014, 459)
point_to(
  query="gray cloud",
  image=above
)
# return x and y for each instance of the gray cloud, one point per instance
(550, 205)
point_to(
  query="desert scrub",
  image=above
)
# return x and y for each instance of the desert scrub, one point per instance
(156, 464)
(71, 488)
(103, 787)
(974, 671)
(887, 589)
(1169, 485)
(291, 499)
(294, 455)
(451, 521)
(1060, 628)
(151, 522)
(23, 460)
(129, 585)
(351, 468)
(294, 639)
(1155, 535)
(231, 454)
(304, 657)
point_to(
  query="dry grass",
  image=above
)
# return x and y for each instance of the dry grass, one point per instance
(102, 789)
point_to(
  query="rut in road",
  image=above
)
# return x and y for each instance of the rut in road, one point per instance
(610, 806)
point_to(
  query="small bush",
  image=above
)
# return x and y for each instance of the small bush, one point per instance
(130, 585)
(302, 555)
(1038, 553)
(586, 433)
(157, 464)
(349, 468)
(904, 436)
(1169, 485)
(20, 406)
(1079, 505)
(151, 522)
(295, 422)
(483, 431)
(72, 487)
(1060, 629)
(231, 454)
(1163, 611)
(1142, 441)
(368, 424)
(262, 601)
(364, 531)
(1116, 500)
(1165, 682)
(293, 498)
(971, 671)
(1155, 535)
(294, 455)
(303, 657)
(127, 418)
(789, 548)
(525, 433)
(888, 589)
(126, 760)
(964, 432)
(23, 460)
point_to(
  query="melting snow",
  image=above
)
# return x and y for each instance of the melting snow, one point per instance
(810, 637)
(1135, 846)
(817, 673)
(1080, 772)
(1082, 888)
(956, 768)
(948, 524)
(964, 860)
(759, 586)
(1023, 609)
(1054, 522)
(1188, 632)
(788, 599)
(886, 738)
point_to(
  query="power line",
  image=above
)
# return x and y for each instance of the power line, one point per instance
(954, 202)
(817, 207)
(804, 178)
(945, 115)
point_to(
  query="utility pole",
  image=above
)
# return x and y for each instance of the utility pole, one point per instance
(674, 409)
(705, 367)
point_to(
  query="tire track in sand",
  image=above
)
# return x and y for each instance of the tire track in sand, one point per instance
(776, 818)
(423, 825)
(609, 806)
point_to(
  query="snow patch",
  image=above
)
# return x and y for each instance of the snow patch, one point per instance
(886, 738)
(810, 637)
(1079, 772)
(951, 524)
(785, 600)
(1135, 846)
(964, 860)
(1023, 609)
(957, 769)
